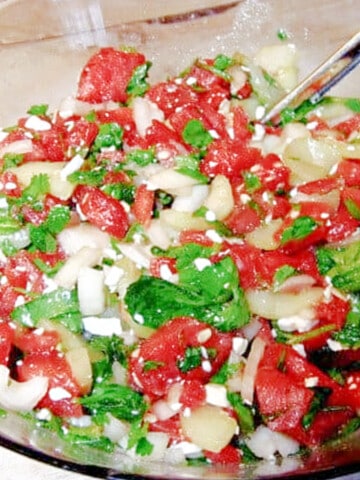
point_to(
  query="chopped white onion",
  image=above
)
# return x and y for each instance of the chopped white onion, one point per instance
(248, 379)
(91, 291)
(265, 443)
(21, 396)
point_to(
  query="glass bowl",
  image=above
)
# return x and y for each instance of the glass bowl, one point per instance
(43, 46)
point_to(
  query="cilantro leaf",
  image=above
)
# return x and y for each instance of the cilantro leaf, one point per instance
(38, 187)
(58, 218)
(92, 177)
(196, 135)
(110, 135)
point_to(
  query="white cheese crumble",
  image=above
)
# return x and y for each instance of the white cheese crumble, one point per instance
(58, 393)
(311, 382)
(105, 326)
(303, 322)
(216, 395)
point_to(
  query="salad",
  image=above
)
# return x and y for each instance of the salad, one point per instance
(179, 281)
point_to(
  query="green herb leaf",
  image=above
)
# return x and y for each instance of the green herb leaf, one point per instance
(222, 62)
(342, 265)
(353, 104)
(52, 306)
(252, 181)
(353, 208)
(190, 165)
(119, 400)
(110, 135)
(317, 404)
(12, 160)
(94, 177)
(42, 239)
(40, 109)
(243, 413)
(282, 274)
(138, 84)
(38, 187)
(120, 191)
(193, 358)
(211, 295)
(196, 135)
(349, 335)
(301, 228)
(59, 216)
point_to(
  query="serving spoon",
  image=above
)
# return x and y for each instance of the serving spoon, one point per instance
(321, 80)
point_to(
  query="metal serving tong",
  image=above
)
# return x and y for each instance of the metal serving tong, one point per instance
(324, 77)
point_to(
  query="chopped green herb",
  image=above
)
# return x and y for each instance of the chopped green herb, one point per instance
(119, 400)
(196, 135)
(141, 157)
(252, 182)
(53, 306)
(244, 414)
(301, 228)
(38, 109)
(318, 402)
(152, 365)
(138, 84)
(120, 191)
(282, 274)
(110, 136)
(12, 160)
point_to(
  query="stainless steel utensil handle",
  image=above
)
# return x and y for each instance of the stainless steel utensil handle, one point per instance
(330, 72)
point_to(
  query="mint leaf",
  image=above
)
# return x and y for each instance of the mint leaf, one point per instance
(211, 295)
(119, 400)
(53, 306)
(301, 228)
